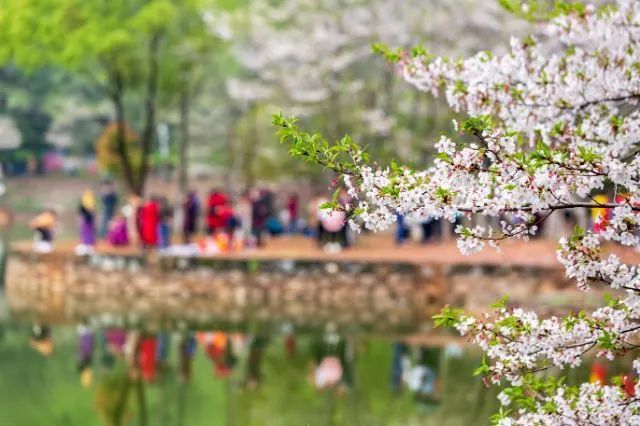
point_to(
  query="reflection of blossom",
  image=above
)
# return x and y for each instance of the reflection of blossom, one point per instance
(328, 373)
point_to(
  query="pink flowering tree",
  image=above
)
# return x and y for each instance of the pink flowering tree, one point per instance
(551, 123)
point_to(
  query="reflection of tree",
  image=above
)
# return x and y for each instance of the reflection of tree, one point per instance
(141, 399)
(111, 396)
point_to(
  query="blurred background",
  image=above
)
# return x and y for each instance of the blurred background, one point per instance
(194, 85)
(165, 262)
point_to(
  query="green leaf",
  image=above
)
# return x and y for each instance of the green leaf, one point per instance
(386, 52)
(447, 317)
(501, 303)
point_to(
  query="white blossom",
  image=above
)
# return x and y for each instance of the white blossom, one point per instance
(555, 123)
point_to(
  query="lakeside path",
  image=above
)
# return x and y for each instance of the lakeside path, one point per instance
(377, 249)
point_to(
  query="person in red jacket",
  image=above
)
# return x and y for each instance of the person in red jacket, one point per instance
(149, 219)
(217, 212)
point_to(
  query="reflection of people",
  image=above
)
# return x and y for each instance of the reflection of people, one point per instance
(398, 365)
(218, 349)
(328, 373)
(43, 226)
(422, 378)
(41, 340)
(162, 350)
(333, 363)
(115, 339)
(187, 351)
(254, 361)
(147, 357)
(86, 344)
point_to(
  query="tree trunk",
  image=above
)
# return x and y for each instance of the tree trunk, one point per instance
(150, 113)
(231, 146)
(185, 99)
(251, 152)
(117, 95)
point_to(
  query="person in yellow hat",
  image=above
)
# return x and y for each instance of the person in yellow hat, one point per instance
(43, 226)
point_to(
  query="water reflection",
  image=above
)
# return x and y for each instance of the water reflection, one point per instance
(264, 377)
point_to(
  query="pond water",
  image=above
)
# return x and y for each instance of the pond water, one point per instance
(86, 366)
(49, 377)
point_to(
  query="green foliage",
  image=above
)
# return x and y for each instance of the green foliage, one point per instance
(502, 414)
(476, 125)
(139, 49)
(341, 157)
(386, 52)
(448, 317)
(483, 369)
(541, 10)
(501, 303)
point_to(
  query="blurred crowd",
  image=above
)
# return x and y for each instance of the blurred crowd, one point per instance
(219, 222)
(197, 223)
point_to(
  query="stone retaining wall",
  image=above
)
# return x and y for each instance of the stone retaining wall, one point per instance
(374, 296)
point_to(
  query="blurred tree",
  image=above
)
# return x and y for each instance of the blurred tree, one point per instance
(122, 47)
(187, 61)
(315, 60)
(107, 149)
(23, 99)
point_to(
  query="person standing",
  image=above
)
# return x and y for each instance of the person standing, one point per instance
(292, 209)
(109, 200)
(315, 218)
(216, 220)
(191, 211)
(149, 221)
(87, 212)
(333, 223)
(402, 230)
(164, 223)
(242, 210)
(259, 215)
